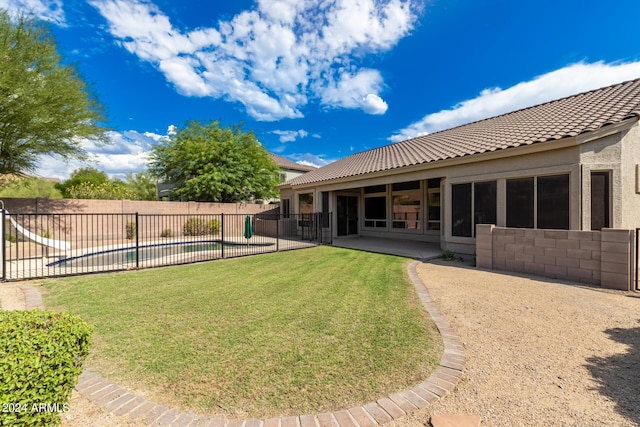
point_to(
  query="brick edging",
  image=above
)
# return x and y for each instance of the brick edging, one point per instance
(119, 402)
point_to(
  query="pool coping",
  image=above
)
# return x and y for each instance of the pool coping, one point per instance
(121, 403)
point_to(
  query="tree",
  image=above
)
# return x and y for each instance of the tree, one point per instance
(208, 162)
(91, 183)
(29, 187)
(45, 107)
(143, 185)
(89, 175)
(111, 190)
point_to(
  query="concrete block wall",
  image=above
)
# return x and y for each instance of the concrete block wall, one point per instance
(604, 258)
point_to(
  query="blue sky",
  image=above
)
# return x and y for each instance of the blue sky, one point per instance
(319, 80)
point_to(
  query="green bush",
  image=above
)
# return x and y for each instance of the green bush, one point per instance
(130, 229)
(449, 256)
(166, 233)
(41, 357)
(201, 227)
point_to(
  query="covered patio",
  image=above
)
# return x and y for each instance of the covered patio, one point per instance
(406, 248)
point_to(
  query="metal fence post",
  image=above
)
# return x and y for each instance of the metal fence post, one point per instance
(137, 242)
(222, 234)
(277, 232)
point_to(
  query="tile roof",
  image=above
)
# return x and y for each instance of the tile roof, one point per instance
(562, 118)
(284, 163)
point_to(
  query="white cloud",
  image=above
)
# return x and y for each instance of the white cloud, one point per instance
(357, 91)
(127, 153)
(290, 135)
(47, 10)
(317, 160)
(567, 81)
(273, 59)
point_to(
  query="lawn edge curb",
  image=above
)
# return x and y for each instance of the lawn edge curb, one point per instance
(443, 380)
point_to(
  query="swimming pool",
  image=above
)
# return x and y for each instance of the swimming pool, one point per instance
(127, 256)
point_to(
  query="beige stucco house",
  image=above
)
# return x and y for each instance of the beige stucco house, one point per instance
(569, 164)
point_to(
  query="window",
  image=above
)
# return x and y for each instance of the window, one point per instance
(285, 208)
(520, 202)
(553, 202)
(546, 196)
(600, 211)
(375, 189)
(406, 205)
(375, 211)
(305, 202)
(461, 210)
(409, 185)
(433, 204)
(484, 203)
(472, 204)
(325, 209)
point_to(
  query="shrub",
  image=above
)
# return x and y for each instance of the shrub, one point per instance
(41, 357)
(10, 237)
(131, 229)
(201, 227)
(449, 256)
(166, 233)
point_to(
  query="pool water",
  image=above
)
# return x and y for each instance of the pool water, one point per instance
(145, 253)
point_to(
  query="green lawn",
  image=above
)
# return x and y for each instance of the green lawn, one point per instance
(279, 334)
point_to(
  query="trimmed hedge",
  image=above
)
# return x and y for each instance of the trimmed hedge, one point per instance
(41, 357)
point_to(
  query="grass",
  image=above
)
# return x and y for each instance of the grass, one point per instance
(279, 334)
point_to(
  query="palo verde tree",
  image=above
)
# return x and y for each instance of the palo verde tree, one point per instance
(45, 107)
(208, 162)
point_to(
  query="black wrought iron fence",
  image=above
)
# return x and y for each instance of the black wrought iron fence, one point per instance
(46, 245)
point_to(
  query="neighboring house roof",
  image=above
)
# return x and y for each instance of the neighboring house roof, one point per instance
(284, 163)
(562, 118)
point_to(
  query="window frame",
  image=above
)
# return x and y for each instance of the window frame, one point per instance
(535, 222)
(418, 222)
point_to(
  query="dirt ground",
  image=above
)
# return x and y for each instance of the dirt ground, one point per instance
(539, 352)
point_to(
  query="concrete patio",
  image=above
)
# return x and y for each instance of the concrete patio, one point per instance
(406, 248)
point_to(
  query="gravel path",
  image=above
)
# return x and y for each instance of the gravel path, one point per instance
(538, 352)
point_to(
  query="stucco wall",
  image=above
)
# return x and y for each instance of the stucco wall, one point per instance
(630, 172)
(602, 154)
(42, 205)
(604, 258)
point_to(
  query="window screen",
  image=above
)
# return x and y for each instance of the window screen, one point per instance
(461, 210)
(484, 202)
(553, 202)
(325, 209)
(520, 203)
(600, 214)
(375, 212)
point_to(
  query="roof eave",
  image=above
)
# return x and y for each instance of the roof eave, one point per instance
(569, 141)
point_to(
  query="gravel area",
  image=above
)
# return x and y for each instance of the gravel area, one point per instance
(538, 352)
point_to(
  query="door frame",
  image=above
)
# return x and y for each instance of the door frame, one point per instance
(349, 232)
